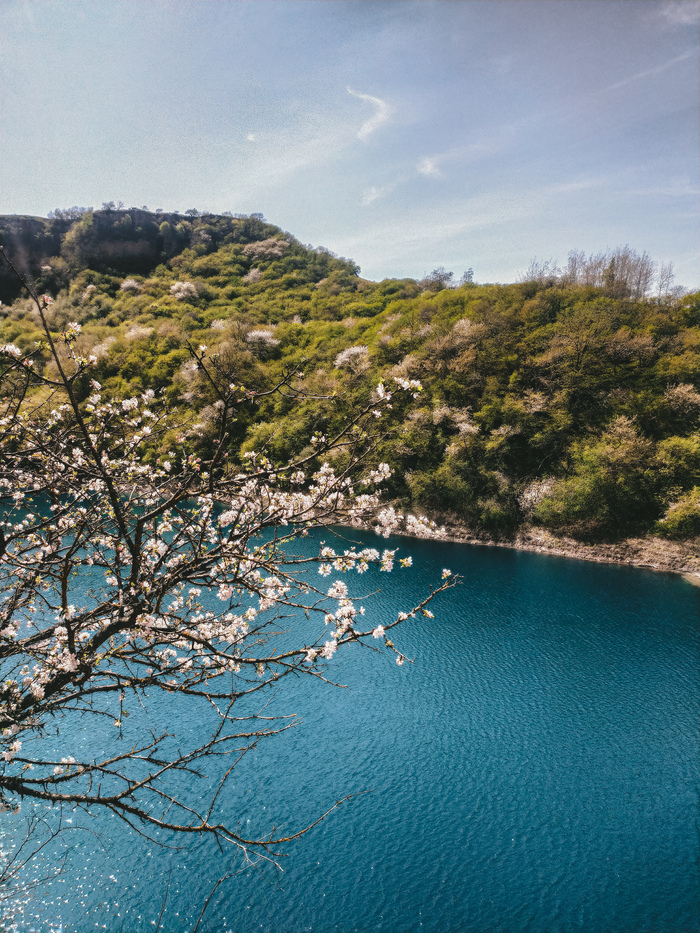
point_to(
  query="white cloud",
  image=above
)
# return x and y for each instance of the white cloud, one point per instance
(681, 12)
(380, 116)
(251, 137)
(374, 193)
(429, 166)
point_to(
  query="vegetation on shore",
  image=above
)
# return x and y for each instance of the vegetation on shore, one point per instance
(570, 400)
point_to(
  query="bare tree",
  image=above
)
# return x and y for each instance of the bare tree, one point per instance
(123, 582)
(544, 271)
(664, 280)
(575, 266)
(623, 272)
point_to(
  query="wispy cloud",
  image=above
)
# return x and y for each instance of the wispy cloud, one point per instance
(312, 139)
(264, 160)
(647, 73)
(440, 223)
(582, 184)
(380, 115)
(375, 193)
(488, 145)
(679, 189)
(436, 228)
(430, 165)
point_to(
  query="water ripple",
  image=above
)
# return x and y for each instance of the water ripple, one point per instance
(535, 771)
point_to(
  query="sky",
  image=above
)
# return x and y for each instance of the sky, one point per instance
(404, 135)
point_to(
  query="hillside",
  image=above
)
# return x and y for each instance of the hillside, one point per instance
(569, 402)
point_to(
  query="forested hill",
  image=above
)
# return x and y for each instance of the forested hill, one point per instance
(571, 400)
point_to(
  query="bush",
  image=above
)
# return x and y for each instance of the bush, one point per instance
(682, 520)
(613, 487)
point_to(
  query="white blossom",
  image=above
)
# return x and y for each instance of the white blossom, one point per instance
(128, 285)
(356, 359)
(329, 649)
(183, 290)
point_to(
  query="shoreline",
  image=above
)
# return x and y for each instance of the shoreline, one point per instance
(647, 553)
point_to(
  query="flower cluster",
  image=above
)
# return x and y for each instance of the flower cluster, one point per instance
(261, 340)
(355, 359)
(123, 575)
(130, 285)
(183, 290)
(410, 385)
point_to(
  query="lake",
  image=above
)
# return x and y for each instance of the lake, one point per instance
(536, 770)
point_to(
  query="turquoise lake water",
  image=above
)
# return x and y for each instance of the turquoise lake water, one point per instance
(536, 770)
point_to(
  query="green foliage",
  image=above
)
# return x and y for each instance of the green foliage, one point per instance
(679, 461)
(612, 488)
(682, 520)
(584, 390)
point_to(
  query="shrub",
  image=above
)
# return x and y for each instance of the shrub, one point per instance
(682, 519)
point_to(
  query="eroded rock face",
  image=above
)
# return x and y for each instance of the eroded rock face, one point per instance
(653, 553)
(44, 249)
(31, 242)
(134, 241)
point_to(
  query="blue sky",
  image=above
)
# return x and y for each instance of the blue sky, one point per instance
(404, 135)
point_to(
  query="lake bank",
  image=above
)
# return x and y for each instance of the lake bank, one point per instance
(648, 553)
